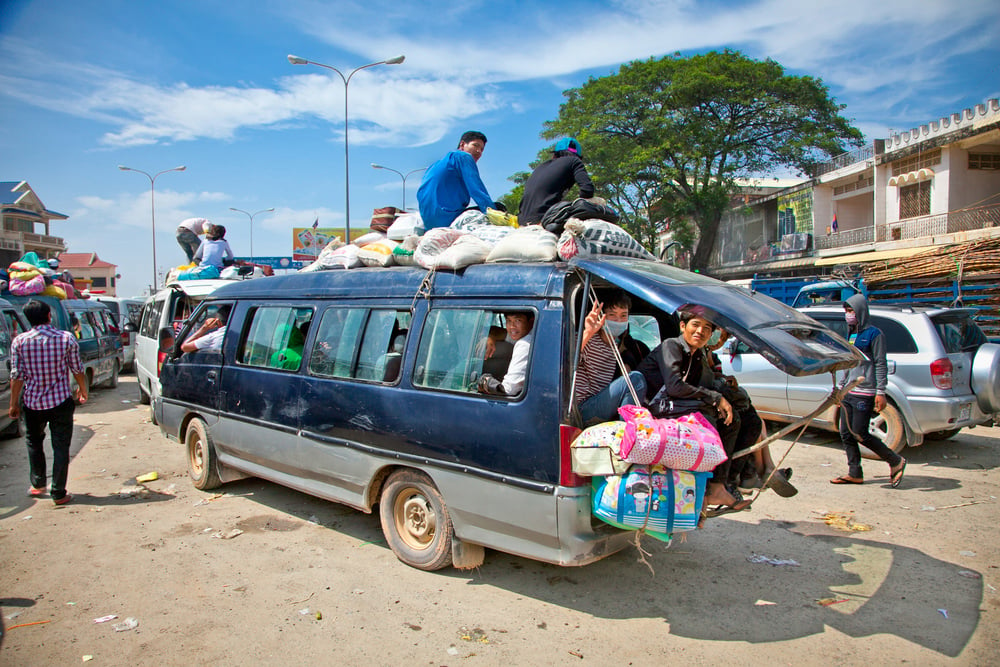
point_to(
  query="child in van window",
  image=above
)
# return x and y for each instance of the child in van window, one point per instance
(519, 327)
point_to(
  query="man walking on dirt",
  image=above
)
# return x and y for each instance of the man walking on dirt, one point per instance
(41, 362)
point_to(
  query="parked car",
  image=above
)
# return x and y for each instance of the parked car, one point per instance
(166, 310)
(124, 310)
(943, 375)
(360, 387)
(98, 336)
(11, 324)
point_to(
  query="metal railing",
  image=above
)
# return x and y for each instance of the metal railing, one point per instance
(844, 159)
(845, 238)
(964, 220)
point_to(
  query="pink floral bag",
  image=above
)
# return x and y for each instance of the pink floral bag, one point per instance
(689, 442)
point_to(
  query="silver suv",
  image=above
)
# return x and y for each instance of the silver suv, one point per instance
(943, 375)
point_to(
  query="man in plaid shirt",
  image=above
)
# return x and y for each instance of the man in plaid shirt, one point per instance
(41, 362)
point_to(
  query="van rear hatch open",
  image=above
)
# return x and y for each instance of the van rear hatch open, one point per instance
(795, 343)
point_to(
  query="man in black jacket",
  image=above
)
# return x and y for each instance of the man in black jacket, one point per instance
(551, 179)
(676, 373)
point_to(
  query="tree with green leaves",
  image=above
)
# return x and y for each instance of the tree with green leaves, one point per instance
(666, 138)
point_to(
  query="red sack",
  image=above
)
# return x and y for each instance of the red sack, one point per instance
(383, 217)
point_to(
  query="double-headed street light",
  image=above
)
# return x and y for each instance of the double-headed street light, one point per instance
(401, 175)
(251, 216)
(152, 205)
(295, 60)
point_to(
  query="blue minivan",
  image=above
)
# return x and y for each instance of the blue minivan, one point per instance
(360, 387)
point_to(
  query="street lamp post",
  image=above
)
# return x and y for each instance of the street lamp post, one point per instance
(295, 60)
(251, 216)
(152, 206)
(401, 175)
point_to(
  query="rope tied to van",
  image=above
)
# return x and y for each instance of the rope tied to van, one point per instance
(425, 288)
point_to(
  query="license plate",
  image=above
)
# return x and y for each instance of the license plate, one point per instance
(965, 412)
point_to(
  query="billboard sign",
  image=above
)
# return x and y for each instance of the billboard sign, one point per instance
(307, 242)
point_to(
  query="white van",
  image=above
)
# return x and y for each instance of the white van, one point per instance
(168, 308)
(124, 310)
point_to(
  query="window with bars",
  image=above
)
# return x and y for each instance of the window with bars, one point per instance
(928, 159)
(990, 161)
(915, 200)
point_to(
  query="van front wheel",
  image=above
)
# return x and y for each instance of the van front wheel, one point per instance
(415, 521)
(202, 463)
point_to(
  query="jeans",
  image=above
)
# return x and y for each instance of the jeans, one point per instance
(855, 414)
(60, 423)
(188, 242)
(603, 406)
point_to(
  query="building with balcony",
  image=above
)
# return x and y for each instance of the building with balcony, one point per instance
(938, 184)
(25, 226)
(90, 272)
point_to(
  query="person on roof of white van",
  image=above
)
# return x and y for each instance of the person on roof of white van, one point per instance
(210, 334)
(214, 250)
(187, 235)
(519, 327)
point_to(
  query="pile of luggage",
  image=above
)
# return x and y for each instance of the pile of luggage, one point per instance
(31, 275)
(649, 474)
(571, 229)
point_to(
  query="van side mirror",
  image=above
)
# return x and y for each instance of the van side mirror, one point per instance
(130, 327)
(167, 346)
(732, 347)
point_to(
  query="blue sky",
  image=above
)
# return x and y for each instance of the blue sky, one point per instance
(86, 86)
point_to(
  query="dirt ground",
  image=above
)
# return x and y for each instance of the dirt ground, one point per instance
(307, 582)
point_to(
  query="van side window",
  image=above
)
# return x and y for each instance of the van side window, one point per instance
(5, 336)
(454, 349)
(276, 338)
(99, 325)
(13, 323)
(151, 319)
(86, 325)
(360, 343)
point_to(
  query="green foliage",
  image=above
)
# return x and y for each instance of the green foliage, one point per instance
(665, 138)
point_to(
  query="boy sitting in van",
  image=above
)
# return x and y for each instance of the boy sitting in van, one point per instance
(519, 332)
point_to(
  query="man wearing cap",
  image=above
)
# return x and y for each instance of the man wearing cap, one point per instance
(551, 179)
(452, 181)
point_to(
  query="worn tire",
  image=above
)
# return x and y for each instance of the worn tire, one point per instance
(143, 396)
(112, 381)
(415, 520)
(888, 427)
(203, 464)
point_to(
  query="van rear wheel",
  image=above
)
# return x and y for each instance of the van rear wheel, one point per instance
(888, 427)
(113, 380)
(415, 521)
(143, 396)
(203, 465)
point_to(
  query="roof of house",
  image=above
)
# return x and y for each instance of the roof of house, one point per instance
(82, 260)
(18, 197)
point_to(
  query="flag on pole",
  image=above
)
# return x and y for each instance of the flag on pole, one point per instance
(316, 224)
(834, 225)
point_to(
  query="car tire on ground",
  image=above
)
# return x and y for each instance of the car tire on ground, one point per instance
(888, 427)
(203, 465)
(143, 396)
(415, 521)
(113, 380)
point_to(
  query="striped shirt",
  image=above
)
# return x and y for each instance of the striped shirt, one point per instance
(43, 359)
(597, 368)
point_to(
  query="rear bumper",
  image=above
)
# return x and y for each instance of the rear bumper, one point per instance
(930, 414)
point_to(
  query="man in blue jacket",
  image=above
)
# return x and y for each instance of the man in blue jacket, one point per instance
(452, 181)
